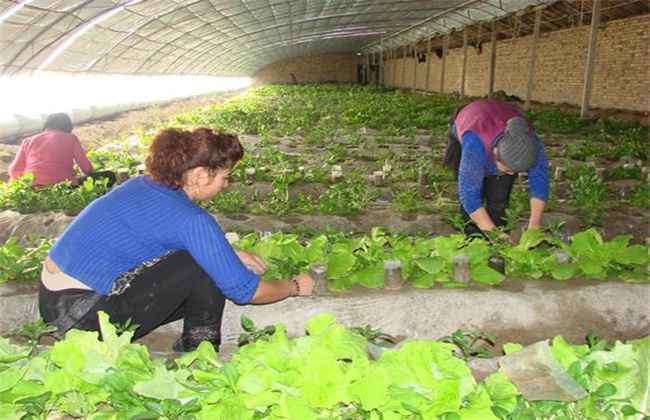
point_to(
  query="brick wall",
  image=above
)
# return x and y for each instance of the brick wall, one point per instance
(621, 73)
(320, 68)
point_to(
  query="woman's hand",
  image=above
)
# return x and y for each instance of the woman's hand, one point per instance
(252, 262)
(503, 236)
(274, 291)
(303, 285)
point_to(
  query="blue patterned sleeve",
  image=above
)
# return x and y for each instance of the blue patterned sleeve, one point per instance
(538, 176)
(471, 173)
(206, 242)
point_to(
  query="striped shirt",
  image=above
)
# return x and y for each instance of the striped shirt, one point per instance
(141, 220)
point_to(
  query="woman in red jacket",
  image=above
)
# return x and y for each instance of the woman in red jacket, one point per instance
(50, 155)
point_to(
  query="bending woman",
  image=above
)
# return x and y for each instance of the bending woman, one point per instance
(147, 253)
(489, 142)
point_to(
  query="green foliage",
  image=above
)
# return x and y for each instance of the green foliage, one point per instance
(22, 263)
(583, 150)
(279, 202)
(83, 195)
(374, 335)
(21, 196)
(227, 202)
(33, 331)
(608, 137)
(471, 343)
(590, 195)
(251, 334)
(640, 196)
(558, 122)
(574, 172)
(409, 201)
(352, 260)
(284, 254)
(122, 161)
(517, 208)
(347, 197)
(315, 111)
(336, 153)
(587, 255)
(623, 172)
(126, 327)
(325, 374)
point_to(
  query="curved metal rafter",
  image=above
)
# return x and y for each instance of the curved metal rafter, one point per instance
(226, 50)
(218, 37)
(27, 45)
(296, 41)
(258, 32)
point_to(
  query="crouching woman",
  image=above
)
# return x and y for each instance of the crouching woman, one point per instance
(146, 252)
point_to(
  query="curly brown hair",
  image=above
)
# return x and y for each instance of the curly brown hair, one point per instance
(175, 151)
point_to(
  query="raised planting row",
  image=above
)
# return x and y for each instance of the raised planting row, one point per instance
(381, 259)
(326, 374)
(344, 150)
(301, 191)
(322, 112)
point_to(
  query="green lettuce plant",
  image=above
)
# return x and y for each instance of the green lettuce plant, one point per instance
(324, 374)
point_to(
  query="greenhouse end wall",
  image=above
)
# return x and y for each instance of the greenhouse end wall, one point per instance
(620, 75)
(319, 68)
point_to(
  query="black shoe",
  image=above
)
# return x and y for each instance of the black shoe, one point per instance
(191, 339)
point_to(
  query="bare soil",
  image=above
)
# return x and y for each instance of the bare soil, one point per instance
(115, 127)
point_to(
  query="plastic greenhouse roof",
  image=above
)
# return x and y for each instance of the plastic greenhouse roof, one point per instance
(216, 37)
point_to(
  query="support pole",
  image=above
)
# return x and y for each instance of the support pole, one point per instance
(463, 72)
(445, 46)
(375, 58)
(366, 68)
(387, 82)
(406, 53)
(533, 57)
(381, 64)
(415, 67)
(591, 59)
(581, 14)
(429, 58)
(393, 73)
(517, 26)
(395, 53)
(493, 58)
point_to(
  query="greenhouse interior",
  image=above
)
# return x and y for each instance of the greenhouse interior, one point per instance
(374, 210)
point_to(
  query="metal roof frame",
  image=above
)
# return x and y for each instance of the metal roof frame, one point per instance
(225, 37)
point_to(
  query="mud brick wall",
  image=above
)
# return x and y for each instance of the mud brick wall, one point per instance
(621, 73)
(320, 68)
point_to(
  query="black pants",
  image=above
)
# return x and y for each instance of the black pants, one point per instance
(496, 197)
(173, 288)
(496, 189)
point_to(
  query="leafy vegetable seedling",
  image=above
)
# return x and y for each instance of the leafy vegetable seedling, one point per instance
(33, 331)
(251, 334)
(471, 343)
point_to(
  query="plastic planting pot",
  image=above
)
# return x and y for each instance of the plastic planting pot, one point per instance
(319, 274)
(392, 275)
(461, 269)
(498, 263)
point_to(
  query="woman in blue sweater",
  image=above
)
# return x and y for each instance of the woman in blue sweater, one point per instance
(489, 142)
(147, 253)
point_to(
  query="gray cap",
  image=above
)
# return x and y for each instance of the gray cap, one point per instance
(517, 146)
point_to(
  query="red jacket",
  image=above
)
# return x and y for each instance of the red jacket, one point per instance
(50, 157)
